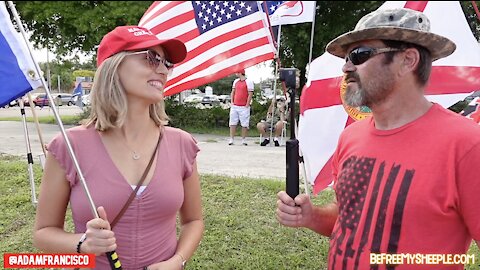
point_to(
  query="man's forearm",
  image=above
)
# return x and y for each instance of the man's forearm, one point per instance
(249, 98)
(323, 219)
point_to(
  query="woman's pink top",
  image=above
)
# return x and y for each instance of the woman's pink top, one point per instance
(146, 233)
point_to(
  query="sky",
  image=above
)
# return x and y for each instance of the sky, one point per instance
(256, 73)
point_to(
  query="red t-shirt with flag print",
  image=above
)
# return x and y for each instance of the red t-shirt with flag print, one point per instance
(413, 189)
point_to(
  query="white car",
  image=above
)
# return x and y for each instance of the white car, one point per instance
(193, 99)
(86, 100)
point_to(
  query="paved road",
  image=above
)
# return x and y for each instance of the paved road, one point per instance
(215, 156)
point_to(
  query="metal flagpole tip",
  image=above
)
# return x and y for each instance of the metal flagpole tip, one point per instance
(31, 73)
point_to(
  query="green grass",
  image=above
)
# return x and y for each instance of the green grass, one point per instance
(66, 119)
(222, 131)
(241, 231)
(74, 119)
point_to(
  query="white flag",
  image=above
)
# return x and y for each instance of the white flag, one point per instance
(323, 116)
(292, 12)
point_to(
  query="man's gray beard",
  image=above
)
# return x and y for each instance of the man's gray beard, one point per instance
(355, 98)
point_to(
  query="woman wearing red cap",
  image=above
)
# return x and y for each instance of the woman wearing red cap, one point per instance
(124, 133)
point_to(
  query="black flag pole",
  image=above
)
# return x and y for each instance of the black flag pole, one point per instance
(289, 76)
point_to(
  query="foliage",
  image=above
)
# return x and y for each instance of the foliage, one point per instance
(67, 70)
(472, 18)
(66, 119)
(83, 73)
(222, 86)
(188, 117)
(332, 19)
(68, 26)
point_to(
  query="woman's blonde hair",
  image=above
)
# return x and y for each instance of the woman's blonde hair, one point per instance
(109, 101)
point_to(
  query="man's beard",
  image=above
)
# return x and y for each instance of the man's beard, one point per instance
(373, 92)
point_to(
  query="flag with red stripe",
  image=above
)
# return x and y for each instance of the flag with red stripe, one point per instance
(323, 116)
(221, 37)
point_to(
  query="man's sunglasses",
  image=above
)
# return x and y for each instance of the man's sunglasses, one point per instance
(154, 60)
(360, 55)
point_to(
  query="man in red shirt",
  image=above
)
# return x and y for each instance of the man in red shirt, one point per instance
(242, 92)
(404, 178)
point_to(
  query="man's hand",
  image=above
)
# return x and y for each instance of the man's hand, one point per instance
(294, 213)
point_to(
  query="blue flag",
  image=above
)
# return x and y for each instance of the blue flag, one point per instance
(17, 69)
(77, 95)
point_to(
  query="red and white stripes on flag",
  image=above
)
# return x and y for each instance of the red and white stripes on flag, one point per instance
(323, 116)
(221, 37)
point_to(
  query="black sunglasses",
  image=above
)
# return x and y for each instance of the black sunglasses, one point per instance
(154, 59)
(360, 55)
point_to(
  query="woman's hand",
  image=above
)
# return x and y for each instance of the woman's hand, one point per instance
(100, 239)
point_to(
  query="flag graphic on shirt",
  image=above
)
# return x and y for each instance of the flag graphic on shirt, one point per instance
(17, 70)
(354, 181)
(323, 115)
(222, 37)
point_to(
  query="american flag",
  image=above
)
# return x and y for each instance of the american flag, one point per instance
(221, 37)
(273, 5)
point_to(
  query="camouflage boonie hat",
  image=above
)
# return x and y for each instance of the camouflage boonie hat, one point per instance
(394, 24)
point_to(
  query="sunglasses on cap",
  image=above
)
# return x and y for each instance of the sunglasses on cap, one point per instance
(361, 55)
(154, 60)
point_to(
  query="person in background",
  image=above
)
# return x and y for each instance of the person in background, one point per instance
(125, 130)
(277, 117)
(241, 97)
(404, 178)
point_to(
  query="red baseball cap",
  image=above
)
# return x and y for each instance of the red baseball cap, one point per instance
(131, 37)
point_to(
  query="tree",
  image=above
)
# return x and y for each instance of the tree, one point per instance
(472, 18)
(68, 70)
(68, 26)
(332, 18)
(222, 86)
(83, 73)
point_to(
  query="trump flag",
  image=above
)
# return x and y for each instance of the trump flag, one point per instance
(323, 116)
(291, 12)
(17, 70)
(222, 37)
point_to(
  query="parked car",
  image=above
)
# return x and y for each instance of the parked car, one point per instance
(12, 103)
(25, 98)
(193, 99)
(225, 98)
(40, 100)
(210, 100)
(86, 100)
(62, 98)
